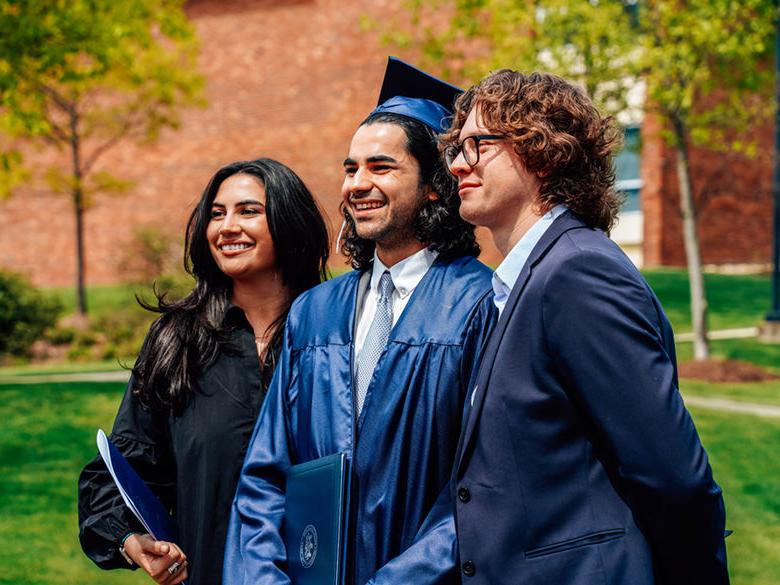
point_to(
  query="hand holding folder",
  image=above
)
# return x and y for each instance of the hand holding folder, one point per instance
(136, 494)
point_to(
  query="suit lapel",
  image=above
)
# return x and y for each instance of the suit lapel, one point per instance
(561, 225)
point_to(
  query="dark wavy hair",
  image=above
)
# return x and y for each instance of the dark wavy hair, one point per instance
(188, 336)
(438, 223)
(559, 135)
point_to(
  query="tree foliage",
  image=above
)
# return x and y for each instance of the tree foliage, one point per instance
(82, 76)
(704, 67)
(682, 51)
(709, 65)
(580, 40)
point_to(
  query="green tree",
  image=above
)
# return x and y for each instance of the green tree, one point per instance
(82, 76)
(704, 66)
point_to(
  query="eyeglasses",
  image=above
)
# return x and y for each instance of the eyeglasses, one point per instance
(469, 147)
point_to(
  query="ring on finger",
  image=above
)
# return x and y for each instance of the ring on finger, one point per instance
(174, 568)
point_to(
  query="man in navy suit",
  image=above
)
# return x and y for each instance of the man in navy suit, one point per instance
(579, 464)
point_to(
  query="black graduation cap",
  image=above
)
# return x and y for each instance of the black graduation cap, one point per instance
(407, 91)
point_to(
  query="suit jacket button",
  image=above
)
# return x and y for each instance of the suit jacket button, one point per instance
(469, 569)
(464, 495)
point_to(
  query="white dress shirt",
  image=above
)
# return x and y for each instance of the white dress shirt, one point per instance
(506, 274)
(406, 275)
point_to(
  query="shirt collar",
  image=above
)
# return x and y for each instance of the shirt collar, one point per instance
(235, 317)
(507, 272)
(407, 273)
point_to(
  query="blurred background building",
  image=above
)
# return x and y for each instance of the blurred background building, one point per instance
(291, 80)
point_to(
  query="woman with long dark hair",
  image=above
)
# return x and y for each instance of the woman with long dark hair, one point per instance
(255, 241)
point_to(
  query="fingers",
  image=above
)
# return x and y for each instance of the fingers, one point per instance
(164, 561)
(166, 568)
(149, 545)
(174, 573)
(179, 575)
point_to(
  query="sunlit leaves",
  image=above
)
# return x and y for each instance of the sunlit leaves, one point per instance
(98, 70)
(12, 173)
(84, 75)
(700, 60)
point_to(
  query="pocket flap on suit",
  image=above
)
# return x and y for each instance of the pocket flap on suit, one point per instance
(584, 540)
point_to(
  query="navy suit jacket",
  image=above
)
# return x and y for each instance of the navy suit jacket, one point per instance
(579, 464)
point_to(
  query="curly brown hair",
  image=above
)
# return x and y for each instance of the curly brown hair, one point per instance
(559, 135)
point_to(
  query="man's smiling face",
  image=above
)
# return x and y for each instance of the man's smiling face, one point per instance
(381, 189)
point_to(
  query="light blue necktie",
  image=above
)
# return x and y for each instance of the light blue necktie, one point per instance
(376, 338)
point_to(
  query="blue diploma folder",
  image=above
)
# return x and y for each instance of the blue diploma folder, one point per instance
(316, 520)
(136, 494)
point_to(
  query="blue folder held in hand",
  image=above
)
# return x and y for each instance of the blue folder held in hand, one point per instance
(316, 519)
(136, 494)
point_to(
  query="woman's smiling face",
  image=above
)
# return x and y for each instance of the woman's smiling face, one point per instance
(238, 234)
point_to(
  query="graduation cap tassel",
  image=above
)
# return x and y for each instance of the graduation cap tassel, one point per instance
(341, 233)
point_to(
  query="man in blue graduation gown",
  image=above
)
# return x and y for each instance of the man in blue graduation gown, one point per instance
(377, 363)
(579, 463)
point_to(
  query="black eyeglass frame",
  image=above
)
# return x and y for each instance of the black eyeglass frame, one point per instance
(452, 151)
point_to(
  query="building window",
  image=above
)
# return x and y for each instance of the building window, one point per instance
(627, 170)
(628, 231)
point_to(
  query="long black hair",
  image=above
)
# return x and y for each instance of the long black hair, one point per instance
(191, 332)
(438, 223)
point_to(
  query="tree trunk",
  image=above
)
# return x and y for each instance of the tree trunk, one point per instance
(701, 345)
(77, 193)
(81, 296)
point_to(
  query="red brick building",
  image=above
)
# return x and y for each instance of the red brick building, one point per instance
(291, 80)
(733, 193)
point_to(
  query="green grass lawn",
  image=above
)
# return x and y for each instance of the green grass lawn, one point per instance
(100, 298)
(743, 454)
(734, 300)
(760, 393)
(746, 350)
(49, 434)
(64, 368)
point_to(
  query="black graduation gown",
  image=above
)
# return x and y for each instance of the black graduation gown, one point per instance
(191, 460)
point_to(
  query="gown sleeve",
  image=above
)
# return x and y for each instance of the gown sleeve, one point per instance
(254, 549)
(432, 557)
(142, 437)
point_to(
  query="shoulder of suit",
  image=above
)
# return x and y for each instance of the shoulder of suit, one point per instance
(592, 251)
(581, 239)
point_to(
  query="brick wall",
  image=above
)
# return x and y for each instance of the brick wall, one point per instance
(291, 80)
(734, 201)
(286, 79)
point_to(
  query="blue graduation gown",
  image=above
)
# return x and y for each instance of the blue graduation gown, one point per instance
(407, 432)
